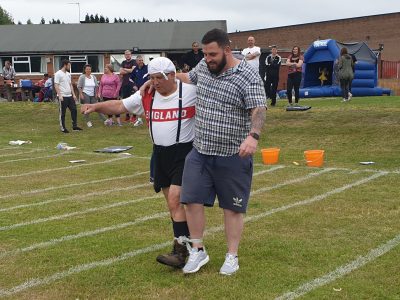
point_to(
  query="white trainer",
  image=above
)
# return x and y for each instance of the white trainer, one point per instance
(89, 124)
(138, 122)
(230, 266)
(196, 260)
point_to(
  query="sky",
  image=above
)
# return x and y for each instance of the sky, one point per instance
(240, 15)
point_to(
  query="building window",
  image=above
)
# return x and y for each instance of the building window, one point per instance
(116, 61)
(26, 64)
(79, 61)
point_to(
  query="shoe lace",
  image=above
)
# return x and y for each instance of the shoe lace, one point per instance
(193, 254)
(230, 260)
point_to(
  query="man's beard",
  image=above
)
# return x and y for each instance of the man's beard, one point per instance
(219, 66)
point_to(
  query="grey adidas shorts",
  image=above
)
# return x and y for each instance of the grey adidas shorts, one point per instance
(207, 176)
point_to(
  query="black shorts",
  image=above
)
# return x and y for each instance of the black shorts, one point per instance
(169, 162)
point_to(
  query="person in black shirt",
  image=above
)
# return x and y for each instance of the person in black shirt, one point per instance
(192, 58)
(127, 67)
(273, 64)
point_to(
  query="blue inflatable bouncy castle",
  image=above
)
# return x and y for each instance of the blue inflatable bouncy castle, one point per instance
(323, 55)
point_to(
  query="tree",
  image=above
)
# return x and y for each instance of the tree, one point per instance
(42, 21)
(96, 19)
(5, 17)
(91, 19)
(115, 20)
(120, 20)
(29, 22)
(19, 23)
(87, 18)
(107, 20)
(102, 20)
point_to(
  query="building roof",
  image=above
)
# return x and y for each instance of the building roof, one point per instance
(103, 37)
(316, 23)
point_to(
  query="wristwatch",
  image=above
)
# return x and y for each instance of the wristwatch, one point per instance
(254, 135)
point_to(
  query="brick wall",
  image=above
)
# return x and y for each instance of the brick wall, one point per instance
(374, 30)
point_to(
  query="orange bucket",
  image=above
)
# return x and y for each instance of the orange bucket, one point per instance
(314, 158)
(270, 156)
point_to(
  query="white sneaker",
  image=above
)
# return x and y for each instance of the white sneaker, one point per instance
(138, 122)
(89, 124)
(230, 266)
(344, 100)
(196, 260)
(350, 96)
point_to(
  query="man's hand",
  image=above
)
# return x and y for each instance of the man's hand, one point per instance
(87, 109)
(143, 88)
(248, 147)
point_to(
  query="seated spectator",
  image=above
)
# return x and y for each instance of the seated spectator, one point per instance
(40, 84)
(9, 79)
(46, 92)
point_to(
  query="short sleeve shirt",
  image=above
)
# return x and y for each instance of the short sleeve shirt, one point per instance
(293, 69)
(63, 79)
(255, 61)
(127, 65)
(165, 114)
(223, 107)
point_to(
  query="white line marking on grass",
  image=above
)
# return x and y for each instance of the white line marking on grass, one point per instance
(9, 148)
(107, 262)
(296, 180)
(51, 188)
(31, 158)
(53, 242)
(76, 197)
(78, 269)
(315, 198)
(80, 197)
(64, 168)
(99, 230)
(78, 213)
(19, 153)
(268, 170)
(342, 270)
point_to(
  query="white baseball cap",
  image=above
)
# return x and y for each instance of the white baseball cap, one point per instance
(161, 65)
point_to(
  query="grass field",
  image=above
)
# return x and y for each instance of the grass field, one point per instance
(93, 230)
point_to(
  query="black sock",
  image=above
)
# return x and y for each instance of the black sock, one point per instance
(180, 228)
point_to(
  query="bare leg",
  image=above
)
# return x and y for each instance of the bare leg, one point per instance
(196, 222)
(177, 210)
(233, 229)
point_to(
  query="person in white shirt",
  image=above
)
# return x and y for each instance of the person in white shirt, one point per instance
(88, 86)
(66, 95)
(169, 112)
(252, 53)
